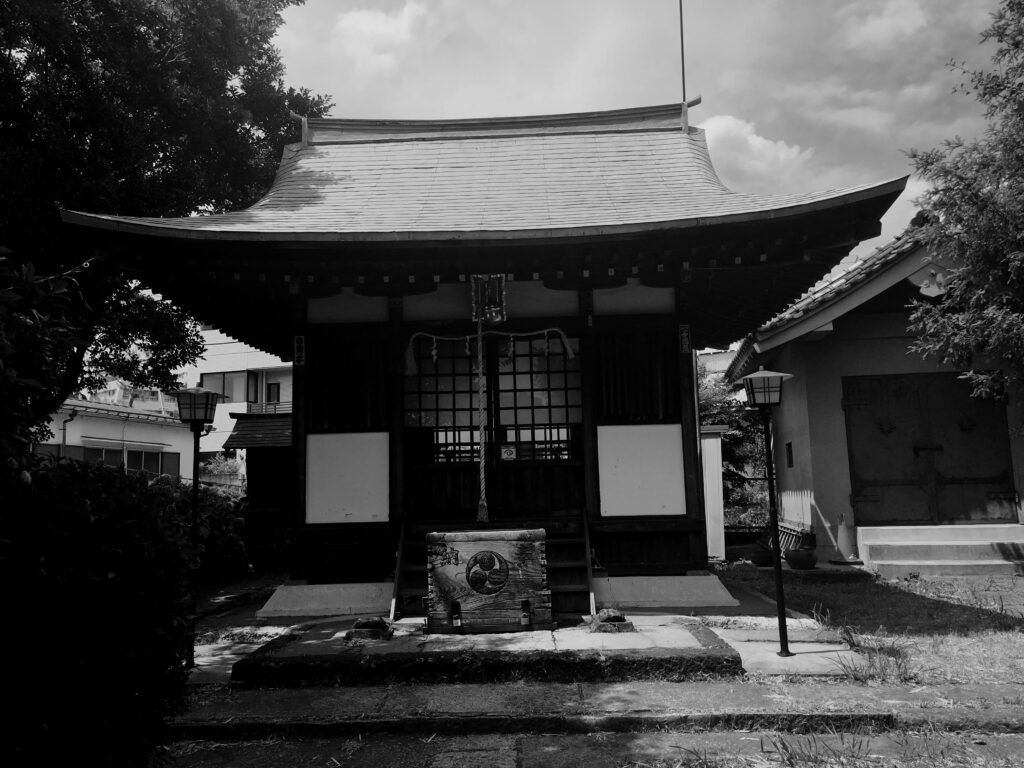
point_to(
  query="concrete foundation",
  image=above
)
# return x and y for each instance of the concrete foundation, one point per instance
(624, 592)
(650, 592)
(328, 600)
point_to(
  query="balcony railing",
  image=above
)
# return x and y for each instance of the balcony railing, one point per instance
(269, 408)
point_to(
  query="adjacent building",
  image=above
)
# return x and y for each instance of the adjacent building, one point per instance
(882, 453)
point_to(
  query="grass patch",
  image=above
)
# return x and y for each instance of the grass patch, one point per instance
(911, 630)
(908, 605)
(927, 749)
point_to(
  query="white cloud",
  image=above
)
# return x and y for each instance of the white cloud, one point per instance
(749, 162)
(893, 22)
(374, 40)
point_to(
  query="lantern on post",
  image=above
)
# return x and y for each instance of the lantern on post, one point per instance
(764, 391)
(197, 408)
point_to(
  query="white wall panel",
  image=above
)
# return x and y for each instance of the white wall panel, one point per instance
(641, 470)
(347, 478)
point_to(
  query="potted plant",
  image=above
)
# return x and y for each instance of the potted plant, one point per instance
(801, 558)
(761, 556)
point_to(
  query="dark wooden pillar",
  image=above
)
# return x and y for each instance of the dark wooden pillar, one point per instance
(297, 559)
(396, 413)
(299, 404)
(693, 471)
(589, 370)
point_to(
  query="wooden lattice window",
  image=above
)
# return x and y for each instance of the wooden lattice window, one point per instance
(532, 396)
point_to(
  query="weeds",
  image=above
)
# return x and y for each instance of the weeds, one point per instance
(884, 661)
(844, 749)
(247, 635)
(692, 758)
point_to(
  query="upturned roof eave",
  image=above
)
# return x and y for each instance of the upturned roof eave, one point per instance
(177, 229)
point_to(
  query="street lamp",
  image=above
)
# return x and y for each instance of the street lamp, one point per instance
(764, 390)
(196, 407)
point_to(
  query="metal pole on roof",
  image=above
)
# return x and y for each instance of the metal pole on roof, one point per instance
(682, 54)
(682, 71)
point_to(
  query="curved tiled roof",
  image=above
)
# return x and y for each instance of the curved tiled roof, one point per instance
(833, 286)
(828, 290)
(615, 172)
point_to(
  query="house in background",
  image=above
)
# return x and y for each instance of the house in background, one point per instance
(604, 249)
(252, 424)
(141, 440)
(882, 453)
(250, 382)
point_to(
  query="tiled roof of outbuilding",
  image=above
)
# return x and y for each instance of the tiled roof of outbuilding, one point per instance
(836, 285)
(260, 431)
(626, 171)
(828, 290)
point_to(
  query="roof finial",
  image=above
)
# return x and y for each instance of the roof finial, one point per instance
(682, 69)
(305, 126)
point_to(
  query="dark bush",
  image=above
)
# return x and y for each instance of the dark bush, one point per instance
(222, 550)
(98, 565)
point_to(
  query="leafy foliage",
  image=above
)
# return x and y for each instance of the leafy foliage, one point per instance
(106, 569)
(132, 107)
(46, 327)
(975, 220)
(742, 449)
(103, 581)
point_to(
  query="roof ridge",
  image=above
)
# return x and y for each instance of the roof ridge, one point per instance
(331, 130)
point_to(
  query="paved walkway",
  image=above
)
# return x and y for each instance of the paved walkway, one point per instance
(225, 713)
(801, 693)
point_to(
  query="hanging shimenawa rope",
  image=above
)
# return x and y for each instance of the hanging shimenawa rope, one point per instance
(410, 351)
(481, 510)
(481, 387)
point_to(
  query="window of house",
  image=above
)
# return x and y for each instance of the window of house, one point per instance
(113, 457)
(274, 392)
(170, 463)
(233, 386)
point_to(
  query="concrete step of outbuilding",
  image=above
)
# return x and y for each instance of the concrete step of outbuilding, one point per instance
(898, 569)
(913, 534)
(946, 550)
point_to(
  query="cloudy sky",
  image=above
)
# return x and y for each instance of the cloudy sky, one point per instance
(798, 95)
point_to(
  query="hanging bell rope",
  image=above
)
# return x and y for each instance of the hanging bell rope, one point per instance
(481, 510)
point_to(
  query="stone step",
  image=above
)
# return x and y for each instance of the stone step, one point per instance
(913, 534)
(942, 550)
(898, 569)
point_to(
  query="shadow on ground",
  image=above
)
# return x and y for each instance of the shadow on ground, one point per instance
(864, 602)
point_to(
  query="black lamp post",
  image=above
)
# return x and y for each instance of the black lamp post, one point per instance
(764, 390)
(196, 407)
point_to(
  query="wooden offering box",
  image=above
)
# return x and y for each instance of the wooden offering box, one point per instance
(487, 581)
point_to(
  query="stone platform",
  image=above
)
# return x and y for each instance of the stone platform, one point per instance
(662, 647)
